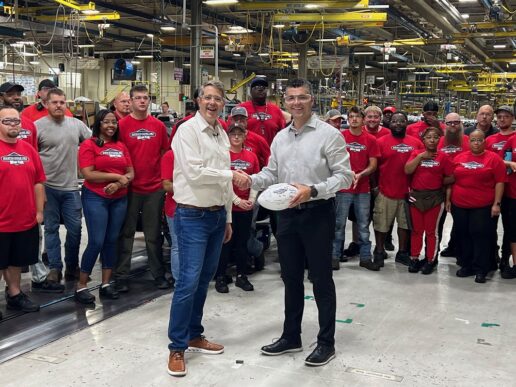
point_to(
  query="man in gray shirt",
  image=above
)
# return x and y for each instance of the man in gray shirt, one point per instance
(58, 140)
(311, 155)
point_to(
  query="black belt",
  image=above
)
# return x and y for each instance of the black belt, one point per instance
(311, 204)
(211, 208)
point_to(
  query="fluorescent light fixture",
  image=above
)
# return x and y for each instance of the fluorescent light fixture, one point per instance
(144, 56)
(467, 1)
(34, 62)
(384, 63)
(90, 12)
(26, 43)
(406, 68)
(85, 45)
(186, 64)
(465, 15)
(104, 25)
(394, 81)
(326, 40)
(167, 28)
(263, 54)
(421, 72)
(434, 77)
(378, 6)
(312, 6)
(28, 54)
(236, 54)
(443, 80)
(237, 30)
(150, 35)
(279, 25)
(363, 53)
(17, 45)
(226, 71)
(380, 78)
(311, 52)
(512, 63)
(499, 46)
(135, 62)
(220, 2)
(282, 79)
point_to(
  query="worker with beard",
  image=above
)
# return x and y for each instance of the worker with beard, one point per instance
(430, 110)
(39, 109)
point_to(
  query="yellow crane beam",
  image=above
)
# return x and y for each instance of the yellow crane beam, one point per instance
(95, 17)
(77, 6)
(332, 17)
(243, 82)
(301, 5)
(487, 25)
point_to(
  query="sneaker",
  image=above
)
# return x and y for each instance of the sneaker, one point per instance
(280, 347)
(243, 283)
(54, 275)
(415, 265)
(448, 252)
(403, 258)
(508, 272)
(480, 278)
(335, 264)
(122, 285)
(220, 285)
(428, 267)
(370, 265)
(201, 345)
(352, 250)
(47, 287)
(21, 302)
(84, 297)
(379, 258)
(464, 272)
(176, 363)
(161, 283)
(109, 292)
(388, 244)
(321, 355)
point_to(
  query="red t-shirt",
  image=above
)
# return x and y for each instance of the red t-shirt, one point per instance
(382, 131)
(167, 173)
(20, 170)
(429, 174)
(257, 144)
(394, 153)
(28, 132)
(510, 185)
(453, 150)
(112, 157)
(416, 129)
(266, 120)
(496, 142)
(33, 114)
(244, 161)
(475, 179)
(360, 149)
(145, 139)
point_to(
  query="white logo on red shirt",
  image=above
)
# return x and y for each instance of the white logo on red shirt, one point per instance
(430, 163)
(499, 145)
(451, 149)
(262, 116)
(472, 165)
(24, 133)
(14, 158)
(240, 164)
(113, 153)
(143, 134)
(402, 148)
(356, 147)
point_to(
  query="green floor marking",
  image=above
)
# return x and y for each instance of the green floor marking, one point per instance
(488, 325)
(348, 321)
(357, 305)
(309, 298)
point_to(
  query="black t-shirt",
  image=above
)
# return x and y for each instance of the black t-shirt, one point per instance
(491, 130)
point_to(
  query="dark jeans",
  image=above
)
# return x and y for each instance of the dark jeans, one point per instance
(151, 206)
(104, 218)
(506, 222)
(237, 246)
(308, 233)
(475, 232)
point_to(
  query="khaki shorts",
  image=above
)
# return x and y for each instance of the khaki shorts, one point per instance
(386, 210)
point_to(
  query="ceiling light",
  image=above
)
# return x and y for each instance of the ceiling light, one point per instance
(237, 30)
(26, 43)
(384, 63)
(104, 25)
(226, 71)
(326, 40)
(167, 28)
(150, 35)
(28, 54)
(35, 62)
(263, 54)
(363, 53)
(465, 15)
(311, 6)
(186, 65)
(85, 45)
(421, 72)
(467, 1)
(135, 62)
(282, 79)
(406, 68)
(17, 45)
(394, 81)
(512, 63)
(311, 52)
(236, 54)
(144, 56)
(443, 80)
(220, 2)
(279, 25)
(379, 78)
(378, 6)
(499, 46)
(90, 12)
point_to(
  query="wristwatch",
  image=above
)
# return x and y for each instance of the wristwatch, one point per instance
(313, 191)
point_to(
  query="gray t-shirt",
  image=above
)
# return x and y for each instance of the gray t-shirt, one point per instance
(58, 144)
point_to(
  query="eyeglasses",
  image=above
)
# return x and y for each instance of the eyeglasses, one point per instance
(11, 121)
(452, 122)
(215, 98)
(236, 134)
(477, 140)
(110, 122)
(300, 98)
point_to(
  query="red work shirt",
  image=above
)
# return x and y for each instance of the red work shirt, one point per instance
(265, 120)
(146, 140)
(244, 161)
(360, 149)
(417, 129)
(33, 114)
(28, 132)
(112, 157)
(475, 179)
(510, 185)
(257, 144)
(496, 142)
(20, 170)
(429, 174)
(382, 131)
(394, 153)
(453, 150)
(167, 173)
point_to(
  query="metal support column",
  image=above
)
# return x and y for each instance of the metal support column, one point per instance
(302, 72)
(195, 50)
(361, 80)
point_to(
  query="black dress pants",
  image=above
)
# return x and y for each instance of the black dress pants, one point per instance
(308, 233)
(237, 245)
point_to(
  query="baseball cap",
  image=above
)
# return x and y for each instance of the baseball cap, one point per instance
(46, 83)
(391, 109)
(239, 111)
(431, 106)
(10, 86)
(259, 81)
(332, 114)
(505, 108)
(235, 126)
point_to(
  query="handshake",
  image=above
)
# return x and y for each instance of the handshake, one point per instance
(241, 179)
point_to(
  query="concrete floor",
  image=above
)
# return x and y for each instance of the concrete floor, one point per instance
(394, 328)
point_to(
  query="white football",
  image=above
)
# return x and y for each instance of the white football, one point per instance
(277, 197)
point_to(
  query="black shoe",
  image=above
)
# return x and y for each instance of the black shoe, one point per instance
(161, 283)
(448, 252)
(109, 292)
(509, 272)
(84, 297)
(280, 347)
(388, 244)
(121, 285)
(321, 355)
(464, 272)
(370, 265)
(403, 258)
(480, 278)
(415, 265)
(243, 283)
(21, 302)
(352, 250)
(335, 264)
(47, 287)
(220, 285)
(379, 258)
(429, 267)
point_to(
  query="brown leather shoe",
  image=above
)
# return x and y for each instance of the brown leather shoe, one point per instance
(54, 275)
(201, 345)
(176, 363)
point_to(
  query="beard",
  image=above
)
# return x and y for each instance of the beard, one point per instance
(453, 138)
(399, 133)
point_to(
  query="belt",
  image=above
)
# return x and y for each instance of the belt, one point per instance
(312, 204)
(211, 208)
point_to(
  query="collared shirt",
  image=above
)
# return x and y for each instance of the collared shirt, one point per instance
(312, 155)
(202, 166)
(492, 130)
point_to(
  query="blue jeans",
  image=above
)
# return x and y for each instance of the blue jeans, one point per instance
(200, 235)
(361, 203)
(104, 218)
(174, 249)
(68, 205)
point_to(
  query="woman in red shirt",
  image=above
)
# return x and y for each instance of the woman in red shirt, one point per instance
(430, 171)
(107, 170)
(475, 200)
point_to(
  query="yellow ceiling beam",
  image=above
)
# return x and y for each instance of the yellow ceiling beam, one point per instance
(490, 34)
(332, 17)
(506, 59)
(243, 82)
(77, 6)
(301, 5)
(487, 25)
(95, 17)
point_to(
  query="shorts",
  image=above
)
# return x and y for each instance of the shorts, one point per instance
(19, 248)
(512, 220)
(386, 210)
